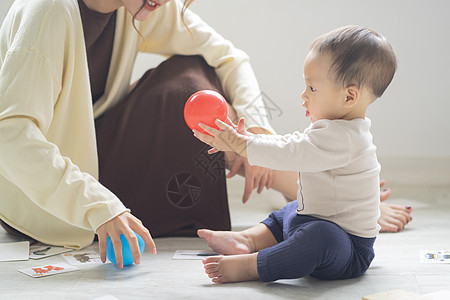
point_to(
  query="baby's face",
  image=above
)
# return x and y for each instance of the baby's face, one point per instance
(322, 98)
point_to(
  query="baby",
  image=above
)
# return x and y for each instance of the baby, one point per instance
(330, 230)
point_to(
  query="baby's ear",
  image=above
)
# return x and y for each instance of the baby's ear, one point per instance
(351, 95)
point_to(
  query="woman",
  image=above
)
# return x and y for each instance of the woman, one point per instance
(60, 57)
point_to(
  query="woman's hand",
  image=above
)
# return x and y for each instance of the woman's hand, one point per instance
(255, 177)
(124, 223)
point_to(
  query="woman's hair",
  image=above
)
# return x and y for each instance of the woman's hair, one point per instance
(360, 57)
(183, 10)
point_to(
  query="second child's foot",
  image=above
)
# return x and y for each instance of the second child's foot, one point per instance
(233, 268)
(226, 242)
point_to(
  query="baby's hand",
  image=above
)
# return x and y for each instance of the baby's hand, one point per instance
(226, 138)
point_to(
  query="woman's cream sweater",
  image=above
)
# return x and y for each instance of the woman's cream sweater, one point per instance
(48, 156)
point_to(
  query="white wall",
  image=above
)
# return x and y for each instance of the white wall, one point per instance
(410, 120)
(412, 117)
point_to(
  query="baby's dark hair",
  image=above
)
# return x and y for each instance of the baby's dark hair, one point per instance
(360, 57)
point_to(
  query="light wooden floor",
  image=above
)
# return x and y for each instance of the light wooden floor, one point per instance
(396, 265)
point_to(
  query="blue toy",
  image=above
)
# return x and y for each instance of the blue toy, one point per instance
(126, 250)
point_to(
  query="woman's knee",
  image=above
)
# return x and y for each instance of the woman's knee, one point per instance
(179, 77)
(191, 73)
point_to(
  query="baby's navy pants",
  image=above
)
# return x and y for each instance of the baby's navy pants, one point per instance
(309, 246)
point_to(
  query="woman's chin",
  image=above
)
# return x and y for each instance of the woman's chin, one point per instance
(142, 15)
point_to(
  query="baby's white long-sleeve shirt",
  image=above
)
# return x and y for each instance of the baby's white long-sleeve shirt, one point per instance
(338, 171)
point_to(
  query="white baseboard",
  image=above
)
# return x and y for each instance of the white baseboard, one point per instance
(417, 171)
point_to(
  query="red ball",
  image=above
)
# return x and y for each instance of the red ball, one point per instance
(205, 107)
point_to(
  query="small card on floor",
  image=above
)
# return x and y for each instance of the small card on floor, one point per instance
(48, 270)
(14, 251)
(193, 254)
(435, 256)
(77, 258)
(39, 251)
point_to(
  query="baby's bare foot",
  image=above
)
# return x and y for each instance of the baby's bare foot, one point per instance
(233, 268)
(226, 242)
